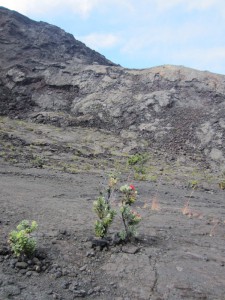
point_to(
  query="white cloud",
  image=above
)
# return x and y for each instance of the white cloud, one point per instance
(199, 58)
(189, 5)
(174, 31)
(81, 7)
(99, 41)
(200, 4)
(21, 6)
(164, 37)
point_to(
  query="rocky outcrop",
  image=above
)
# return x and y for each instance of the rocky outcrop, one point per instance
(48, 76)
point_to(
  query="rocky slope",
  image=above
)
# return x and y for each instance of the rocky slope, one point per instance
(49, 77)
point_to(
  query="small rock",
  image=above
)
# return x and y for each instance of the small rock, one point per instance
(58, 274)
(100, 243)
(36, 261)
(73, 286)
(44, 268)
(23, 271)
(180, 269)
(49, 292)
(63, 231)
(41, 255)
(65, 285)
(90, 254)
(4, 250)
(90, 292)
(65, 272)
(56, 296)
(11, 281)
(21, 265)
(85, 240)
(10, 290)
(83, 268)
(79, 293)
(97, 289)
(130, 249)
(37, 269)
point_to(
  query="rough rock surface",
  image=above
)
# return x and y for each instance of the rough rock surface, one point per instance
(49, 77)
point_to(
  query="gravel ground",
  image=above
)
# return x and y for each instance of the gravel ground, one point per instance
(179, 254)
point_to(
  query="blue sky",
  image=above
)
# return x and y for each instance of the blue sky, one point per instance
(140, 33)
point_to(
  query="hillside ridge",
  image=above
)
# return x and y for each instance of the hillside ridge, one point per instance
(47, 76)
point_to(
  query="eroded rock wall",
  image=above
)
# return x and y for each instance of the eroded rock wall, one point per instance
(48, 76)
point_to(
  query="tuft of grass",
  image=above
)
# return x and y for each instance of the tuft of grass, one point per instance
(222, 184)
(155, 204)
(153, 178)
(193, 184)
(37, 162)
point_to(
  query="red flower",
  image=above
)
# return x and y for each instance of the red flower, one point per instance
(132, 187)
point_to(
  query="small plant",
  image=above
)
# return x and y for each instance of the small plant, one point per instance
(137, 162)
(105, 214)
(38, 162)
(139, 176)
(135, 159)
(130, 217)
(193, 184)
(130, 220)
(20, 240)
(112, 182)
(222, 185)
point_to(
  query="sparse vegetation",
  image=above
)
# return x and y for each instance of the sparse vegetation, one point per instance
(135, 159)
(20, 240)
(37, 162)
(193, 184)
(137, 162)
(106, 214)
(153, 178)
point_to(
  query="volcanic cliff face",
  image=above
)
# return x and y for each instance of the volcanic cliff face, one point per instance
(48, 76)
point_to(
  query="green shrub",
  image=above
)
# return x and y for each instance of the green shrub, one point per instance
(130, 217)
(136, 159)
(38, 162)
(133, 159)
(20, 240)
(105, 214)
(138, 163)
